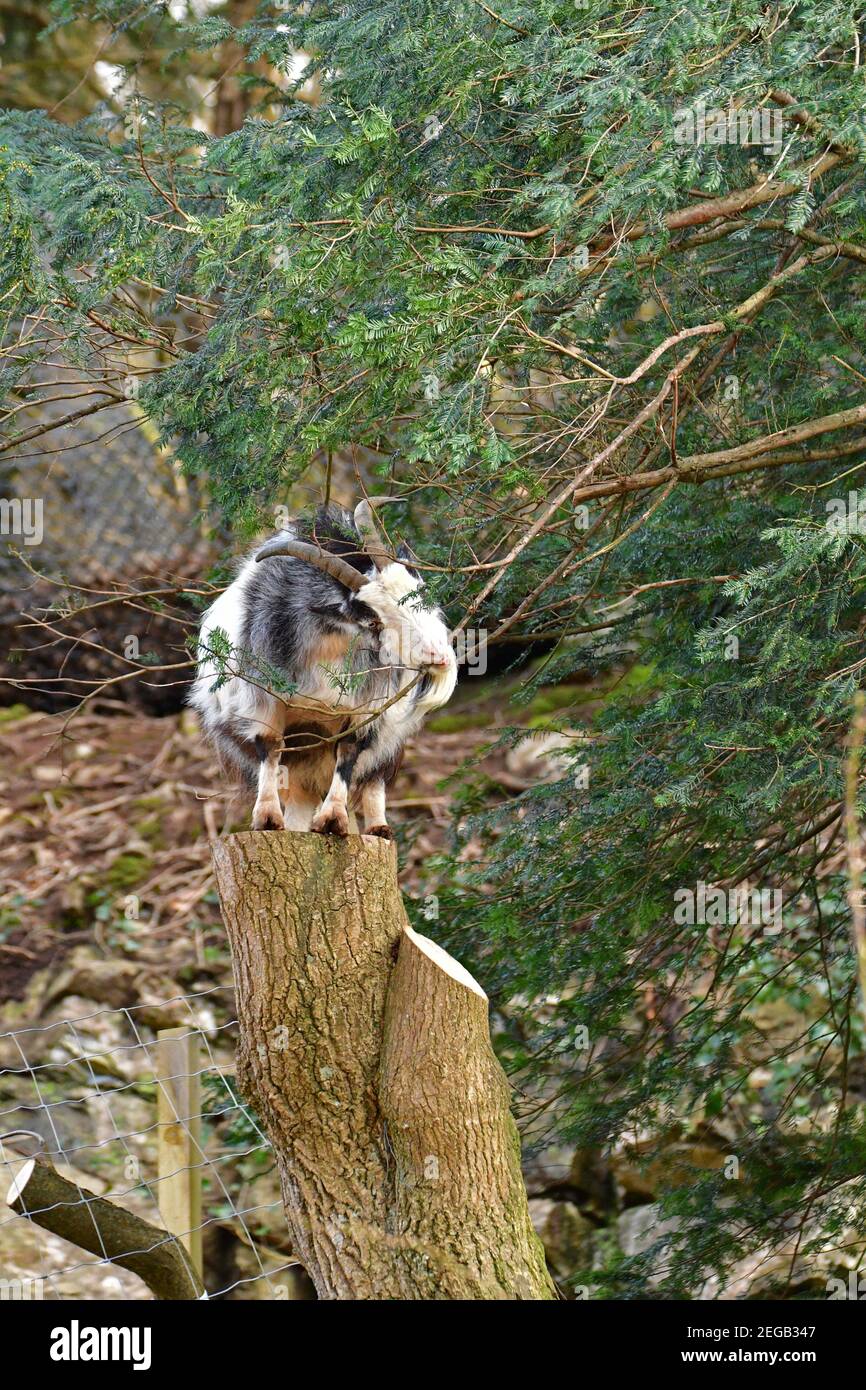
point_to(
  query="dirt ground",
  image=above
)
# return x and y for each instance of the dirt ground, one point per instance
(106, 823)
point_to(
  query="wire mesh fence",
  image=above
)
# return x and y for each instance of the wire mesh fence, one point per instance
(111, 502)
(135, 1128)
(91, 501)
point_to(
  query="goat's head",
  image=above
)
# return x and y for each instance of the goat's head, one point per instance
(412, 635)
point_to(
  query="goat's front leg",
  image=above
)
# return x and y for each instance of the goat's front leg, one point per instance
(267, 812)
(373, 809)
(332, 817)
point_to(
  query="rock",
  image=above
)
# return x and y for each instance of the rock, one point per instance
(640, 1227)
(634, 1181)
(566, 1235)
(676, 1165)
(592, 1181)
(547, 1168)
(116, 984)
(539, 1210)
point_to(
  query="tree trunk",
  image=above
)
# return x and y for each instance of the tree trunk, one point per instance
(365, 1051)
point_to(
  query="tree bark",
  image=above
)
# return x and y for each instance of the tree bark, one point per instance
(365, 1051)
(104, 1229)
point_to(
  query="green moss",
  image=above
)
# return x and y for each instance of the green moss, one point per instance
(635, 678)
(13, 713)
(63, 791)
(9, 920)
(559, 697)
(150, 829)
(127, 870)
(456, 723)
(556, 697)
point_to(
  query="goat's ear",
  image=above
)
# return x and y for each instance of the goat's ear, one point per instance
(363, 615)
(345, 611)
(336, 609)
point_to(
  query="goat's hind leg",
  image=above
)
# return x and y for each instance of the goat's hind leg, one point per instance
(373, 809)
(267, 812)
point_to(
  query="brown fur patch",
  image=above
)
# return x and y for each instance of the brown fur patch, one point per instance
(309, 762)
(331, 648)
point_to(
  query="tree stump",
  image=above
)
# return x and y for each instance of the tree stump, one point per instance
(365, 1052)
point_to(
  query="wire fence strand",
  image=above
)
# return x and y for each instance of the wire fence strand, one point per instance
(80, 1094)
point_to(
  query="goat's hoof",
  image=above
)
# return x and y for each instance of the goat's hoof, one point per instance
(268, 820)
(331, 823)
(384, 832)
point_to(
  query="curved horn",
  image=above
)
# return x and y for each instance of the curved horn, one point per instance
(374, 542)
(322, 559)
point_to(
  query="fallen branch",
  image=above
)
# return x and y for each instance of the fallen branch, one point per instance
(104, 1229)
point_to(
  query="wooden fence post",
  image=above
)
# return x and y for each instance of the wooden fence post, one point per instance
(179, 1153)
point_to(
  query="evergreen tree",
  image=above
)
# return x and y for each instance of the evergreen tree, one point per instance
(585, 280)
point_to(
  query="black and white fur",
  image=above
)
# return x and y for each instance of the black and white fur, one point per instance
(330, 743)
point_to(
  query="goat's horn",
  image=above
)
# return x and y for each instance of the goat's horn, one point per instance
(323, 560)
(374, 542)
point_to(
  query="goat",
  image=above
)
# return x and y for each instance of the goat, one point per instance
(327, 615)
